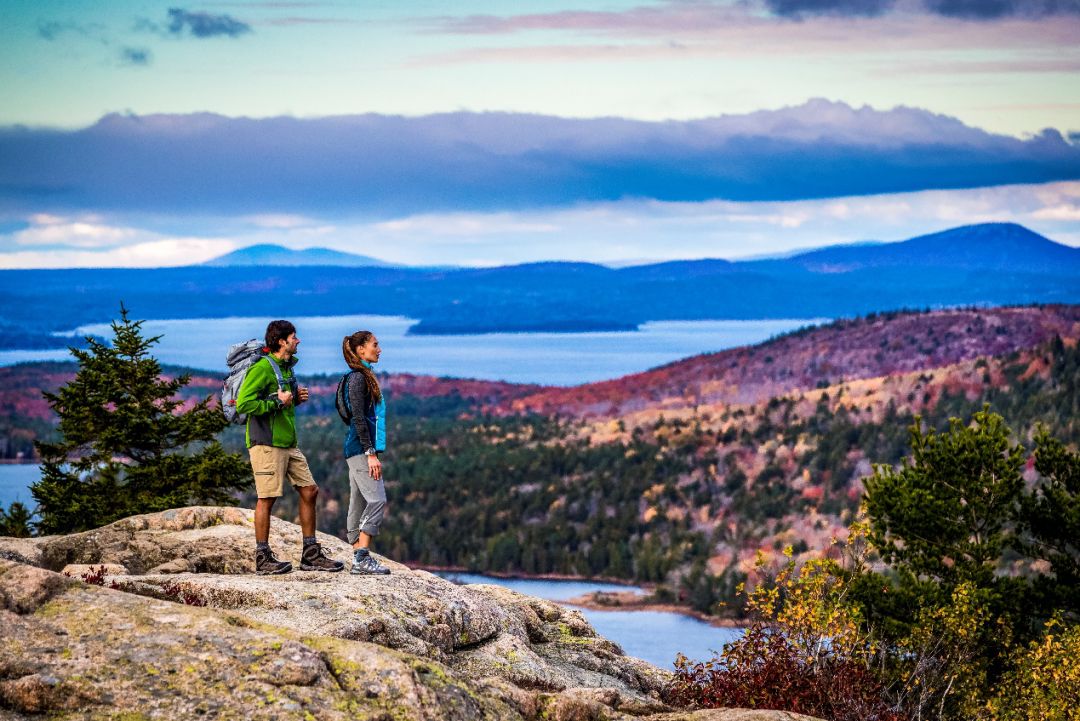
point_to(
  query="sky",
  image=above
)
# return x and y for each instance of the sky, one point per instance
(480, 133)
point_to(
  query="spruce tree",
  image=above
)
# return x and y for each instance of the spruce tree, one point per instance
(129, 445)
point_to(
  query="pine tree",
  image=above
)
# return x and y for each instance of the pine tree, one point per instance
(948, 513)
(1051, 518)
(128, 444)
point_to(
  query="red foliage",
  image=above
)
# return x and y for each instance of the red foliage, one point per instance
(174, 592)
(180, 594)
(96, 577)
(763, 670)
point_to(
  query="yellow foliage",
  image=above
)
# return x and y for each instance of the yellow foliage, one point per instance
(810, 605)
(1044, 683)
(947, 671)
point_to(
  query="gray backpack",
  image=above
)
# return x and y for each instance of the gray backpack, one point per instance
(240, 358)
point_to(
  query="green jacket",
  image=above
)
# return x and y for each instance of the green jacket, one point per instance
(268, 422)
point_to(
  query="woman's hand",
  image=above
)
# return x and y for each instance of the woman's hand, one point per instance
(374, 466)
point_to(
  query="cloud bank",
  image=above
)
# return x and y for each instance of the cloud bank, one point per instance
(618, 233)
(669, 16)
(388, 166)
(993, 9)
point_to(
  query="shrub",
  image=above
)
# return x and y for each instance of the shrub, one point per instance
(765, 670)
(804, 652)
(1044, 683)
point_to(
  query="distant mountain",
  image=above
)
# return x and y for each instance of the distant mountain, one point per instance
(269, 254)
(989, 246)
(982, 265)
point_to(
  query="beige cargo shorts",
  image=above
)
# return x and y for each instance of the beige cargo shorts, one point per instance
(272, 465)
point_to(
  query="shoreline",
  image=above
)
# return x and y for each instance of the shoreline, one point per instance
(603, 600)
(648, 587)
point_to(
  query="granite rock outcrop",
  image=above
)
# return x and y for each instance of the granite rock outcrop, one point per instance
(180, 628)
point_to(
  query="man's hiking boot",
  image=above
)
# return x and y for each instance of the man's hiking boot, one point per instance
(315, 559)
(364, 564)
(267, 564)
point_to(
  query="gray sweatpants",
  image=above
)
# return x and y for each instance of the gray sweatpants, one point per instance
(367, 500)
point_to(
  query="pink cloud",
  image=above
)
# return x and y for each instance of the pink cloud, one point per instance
(289, 21)
(996, 67)
(687, 36)
(641, 20)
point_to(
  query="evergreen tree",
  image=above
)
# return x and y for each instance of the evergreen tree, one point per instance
(128, 445)
(15, 521)
(947, 514)
(1050, 517)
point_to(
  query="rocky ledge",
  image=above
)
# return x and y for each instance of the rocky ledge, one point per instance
(180, 628)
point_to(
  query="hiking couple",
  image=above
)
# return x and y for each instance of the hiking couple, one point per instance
(268, 396)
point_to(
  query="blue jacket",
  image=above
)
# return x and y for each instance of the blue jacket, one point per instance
(368, 428)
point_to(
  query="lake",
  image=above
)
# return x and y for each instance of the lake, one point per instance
(656, 636)
(15, 480)
(547, 358)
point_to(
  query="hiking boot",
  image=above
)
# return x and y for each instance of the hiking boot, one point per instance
(364, 564)
(315, 559)
(267, 564)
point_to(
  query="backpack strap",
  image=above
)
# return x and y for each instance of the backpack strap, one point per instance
(277, 373)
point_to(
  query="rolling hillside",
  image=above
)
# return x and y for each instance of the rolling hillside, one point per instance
(875, 346)
(681, 476)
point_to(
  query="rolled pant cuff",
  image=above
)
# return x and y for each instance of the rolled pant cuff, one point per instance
(354, 536)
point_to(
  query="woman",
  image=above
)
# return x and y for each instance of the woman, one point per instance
(365, 439)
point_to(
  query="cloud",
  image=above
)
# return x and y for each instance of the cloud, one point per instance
(466, 225)
(84, 232)
(847, 8)
(994, 9)
(204, 25)
(152, 254)
(139, 57)
(52, 30)
(92, 240)
(604, 232)
(701, 17)
(647, 20)
(387, 166)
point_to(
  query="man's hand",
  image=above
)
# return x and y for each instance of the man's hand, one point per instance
(285, 397)
(302, 393)
(374, 466)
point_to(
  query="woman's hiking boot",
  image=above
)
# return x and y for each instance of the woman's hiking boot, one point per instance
(315, 559)
(364, 564)
(267, 564)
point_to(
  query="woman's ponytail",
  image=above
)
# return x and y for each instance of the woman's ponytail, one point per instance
(348, 349)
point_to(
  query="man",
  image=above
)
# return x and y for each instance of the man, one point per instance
(268, 396)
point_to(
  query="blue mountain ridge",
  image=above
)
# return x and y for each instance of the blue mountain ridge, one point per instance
(269, 254)
(984, 265)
